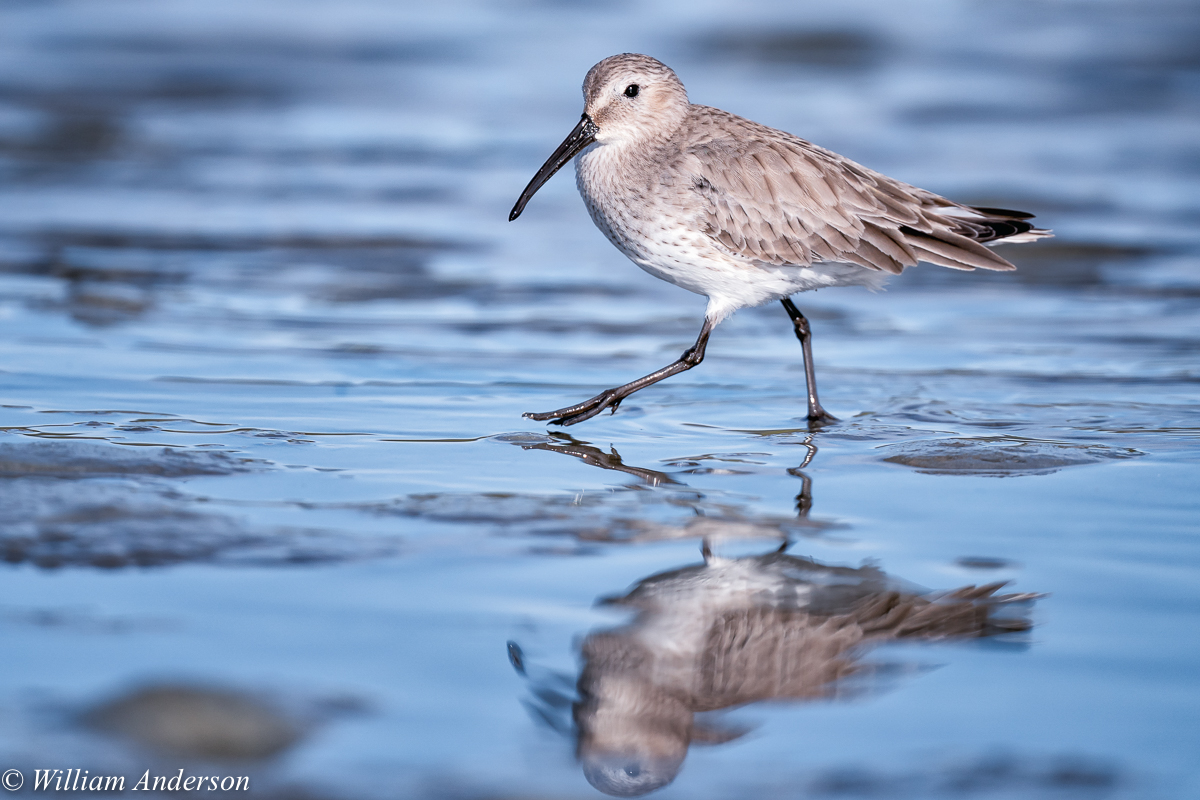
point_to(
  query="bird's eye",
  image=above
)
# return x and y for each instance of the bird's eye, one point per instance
(631, 90)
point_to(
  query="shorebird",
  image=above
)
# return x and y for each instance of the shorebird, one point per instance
(735, 631)
(745, 214)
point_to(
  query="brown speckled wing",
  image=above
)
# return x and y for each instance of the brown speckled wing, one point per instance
(765, 652)
(777, 199)
(761, 654)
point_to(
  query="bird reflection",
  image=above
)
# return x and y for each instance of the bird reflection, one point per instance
(732, 631)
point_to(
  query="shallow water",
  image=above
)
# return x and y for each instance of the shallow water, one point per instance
(267, 339)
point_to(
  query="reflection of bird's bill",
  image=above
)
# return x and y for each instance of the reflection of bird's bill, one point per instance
(580, 137)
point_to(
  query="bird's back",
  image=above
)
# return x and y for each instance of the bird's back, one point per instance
(775, 198)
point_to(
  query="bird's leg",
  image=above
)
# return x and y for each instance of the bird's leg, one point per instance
(816, 414)
(612, 398)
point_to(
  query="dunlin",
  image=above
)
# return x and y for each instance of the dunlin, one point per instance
(735, 631)
(745, 214)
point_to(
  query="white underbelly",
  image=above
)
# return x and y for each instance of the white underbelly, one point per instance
(730, 284)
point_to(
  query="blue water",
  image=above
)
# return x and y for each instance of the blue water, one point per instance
(266, 338)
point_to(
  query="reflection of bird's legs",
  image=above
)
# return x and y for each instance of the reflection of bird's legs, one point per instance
(810, 451)
(816, 415)
(804, 499)
(598, 458)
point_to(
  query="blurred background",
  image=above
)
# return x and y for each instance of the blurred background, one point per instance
(268, 506)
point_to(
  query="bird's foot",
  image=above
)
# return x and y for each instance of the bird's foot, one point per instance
(580, 411)
(820, 418)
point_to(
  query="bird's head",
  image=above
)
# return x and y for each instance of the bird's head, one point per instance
(632, 97)
(627, 99)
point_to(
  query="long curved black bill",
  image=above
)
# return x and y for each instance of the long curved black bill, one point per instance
(583, 135)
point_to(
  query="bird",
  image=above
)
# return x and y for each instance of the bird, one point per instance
(735, 631)
(745, 214)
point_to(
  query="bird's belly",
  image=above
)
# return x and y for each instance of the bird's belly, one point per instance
(731, 284)
(691, 260)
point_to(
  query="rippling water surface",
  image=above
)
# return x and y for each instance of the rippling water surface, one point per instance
(268, 506)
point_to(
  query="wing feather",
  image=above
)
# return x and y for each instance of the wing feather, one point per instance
(776, 199)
